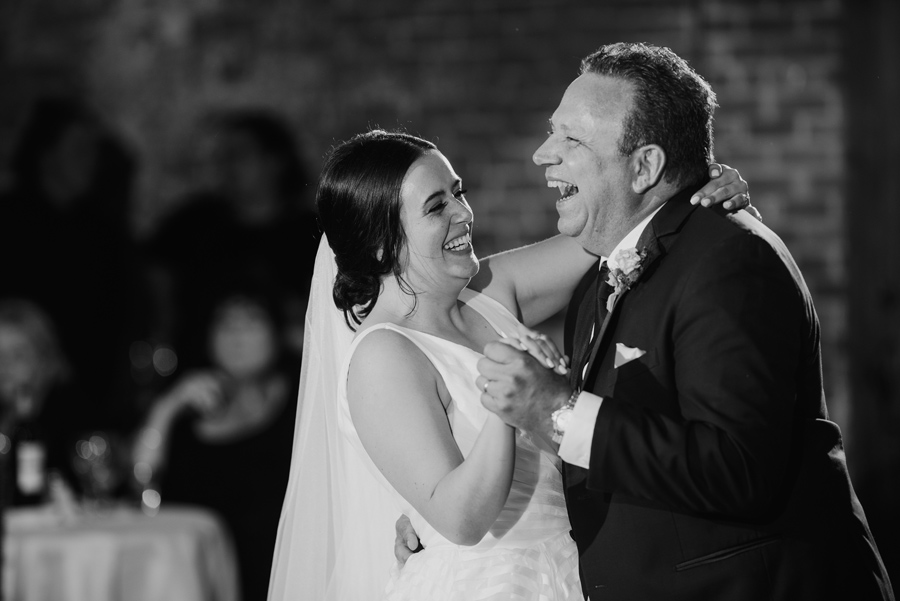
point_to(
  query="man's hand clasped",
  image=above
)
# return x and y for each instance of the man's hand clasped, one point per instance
(406, 542)
(524, 380)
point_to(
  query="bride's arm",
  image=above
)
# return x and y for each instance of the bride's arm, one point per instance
(395, 394)
(535, 282)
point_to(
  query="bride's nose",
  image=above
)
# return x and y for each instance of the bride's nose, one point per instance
(462, 213)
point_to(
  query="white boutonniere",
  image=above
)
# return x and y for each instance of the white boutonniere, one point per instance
(629, 263)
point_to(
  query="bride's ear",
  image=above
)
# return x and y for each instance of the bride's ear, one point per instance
(379, 254)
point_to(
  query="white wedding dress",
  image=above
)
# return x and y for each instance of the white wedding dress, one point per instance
(528, 553)
(336, 534)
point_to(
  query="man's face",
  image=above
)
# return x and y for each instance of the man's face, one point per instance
(582, 160)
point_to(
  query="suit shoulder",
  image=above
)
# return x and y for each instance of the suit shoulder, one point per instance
(738, 235)
(738, 242)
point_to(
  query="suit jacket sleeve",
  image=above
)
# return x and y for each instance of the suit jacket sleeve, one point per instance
(737, 328)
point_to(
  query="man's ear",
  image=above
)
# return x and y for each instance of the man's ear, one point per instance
(647, 163)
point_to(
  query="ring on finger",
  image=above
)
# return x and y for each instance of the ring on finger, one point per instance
(484, 388)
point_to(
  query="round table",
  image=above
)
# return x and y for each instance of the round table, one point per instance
(181, 554)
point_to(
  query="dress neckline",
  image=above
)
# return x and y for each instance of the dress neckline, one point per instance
(466, 295)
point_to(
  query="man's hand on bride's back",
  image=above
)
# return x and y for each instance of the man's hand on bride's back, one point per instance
(407, 542)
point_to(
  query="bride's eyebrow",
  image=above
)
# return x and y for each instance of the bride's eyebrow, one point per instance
(432, 196)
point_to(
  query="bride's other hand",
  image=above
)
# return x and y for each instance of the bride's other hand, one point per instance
(541, 347)
(407, 542)
(725, 187)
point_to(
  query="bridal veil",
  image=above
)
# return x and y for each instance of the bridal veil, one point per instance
(336, 534)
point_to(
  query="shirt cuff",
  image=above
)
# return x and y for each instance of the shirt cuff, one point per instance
(575, 447)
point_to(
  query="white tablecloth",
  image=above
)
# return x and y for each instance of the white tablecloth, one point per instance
(180, 554)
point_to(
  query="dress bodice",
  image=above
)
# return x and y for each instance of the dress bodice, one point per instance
(535, 508)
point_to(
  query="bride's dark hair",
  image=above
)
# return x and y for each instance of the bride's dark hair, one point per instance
(358, 201)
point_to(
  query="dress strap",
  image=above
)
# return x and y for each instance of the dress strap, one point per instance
(497, 315)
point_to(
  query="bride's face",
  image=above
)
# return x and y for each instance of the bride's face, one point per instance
(438, 224)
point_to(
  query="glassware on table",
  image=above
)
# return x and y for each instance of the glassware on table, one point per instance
(96, 463)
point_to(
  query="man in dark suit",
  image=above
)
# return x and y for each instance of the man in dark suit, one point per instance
(700, 462)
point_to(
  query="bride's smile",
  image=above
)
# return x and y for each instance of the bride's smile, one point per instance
(437, 221)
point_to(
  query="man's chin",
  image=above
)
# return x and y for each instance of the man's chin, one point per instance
(569, 229)
(579, 235)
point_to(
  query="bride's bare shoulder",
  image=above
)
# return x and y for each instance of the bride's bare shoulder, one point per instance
(387, 369)
(385, 353)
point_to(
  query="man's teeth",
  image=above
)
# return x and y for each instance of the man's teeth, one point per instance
(566, 190)
(458, 243)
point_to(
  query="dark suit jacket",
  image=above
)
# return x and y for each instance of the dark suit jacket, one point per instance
(714, 471)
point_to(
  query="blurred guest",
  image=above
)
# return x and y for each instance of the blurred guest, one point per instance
(221, 436)
(252, 219)
(38, 394)
(65, 242)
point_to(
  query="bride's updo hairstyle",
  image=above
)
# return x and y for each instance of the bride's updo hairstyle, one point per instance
(358, 201)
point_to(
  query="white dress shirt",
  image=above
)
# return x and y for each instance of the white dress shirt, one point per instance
(575, 447)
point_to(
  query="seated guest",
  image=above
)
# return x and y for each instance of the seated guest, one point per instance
(221, 435)
(38, 393)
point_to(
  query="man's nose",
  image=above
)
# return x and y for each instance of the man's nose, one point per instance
(545, 154)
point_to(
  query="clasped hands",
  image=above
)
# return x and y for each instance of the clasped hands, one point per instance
(523, 380)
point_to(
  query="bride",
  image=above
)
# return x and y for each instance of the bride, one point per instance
(391, 420)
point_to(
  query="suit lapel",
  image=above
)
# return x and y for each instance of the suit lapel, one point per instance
(658, 233)
(580, 319)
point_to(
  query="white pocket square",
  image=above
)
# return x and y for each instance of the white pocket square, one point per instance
(624, 354)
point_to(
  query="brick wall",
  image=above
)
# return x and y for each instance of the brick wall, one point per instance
(478, 77)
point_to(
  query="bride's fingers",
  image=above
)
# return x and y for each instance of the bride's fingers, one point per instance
(730, 196)
(544, 350)
(548, 348)
(560, 361)
(722, 177)
(535, 345)
(529, 347)
(514, 343)
(738, 201)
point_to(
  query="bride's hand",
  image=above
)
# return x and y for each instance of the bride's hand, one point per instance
(726, 187)
(541, 347)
